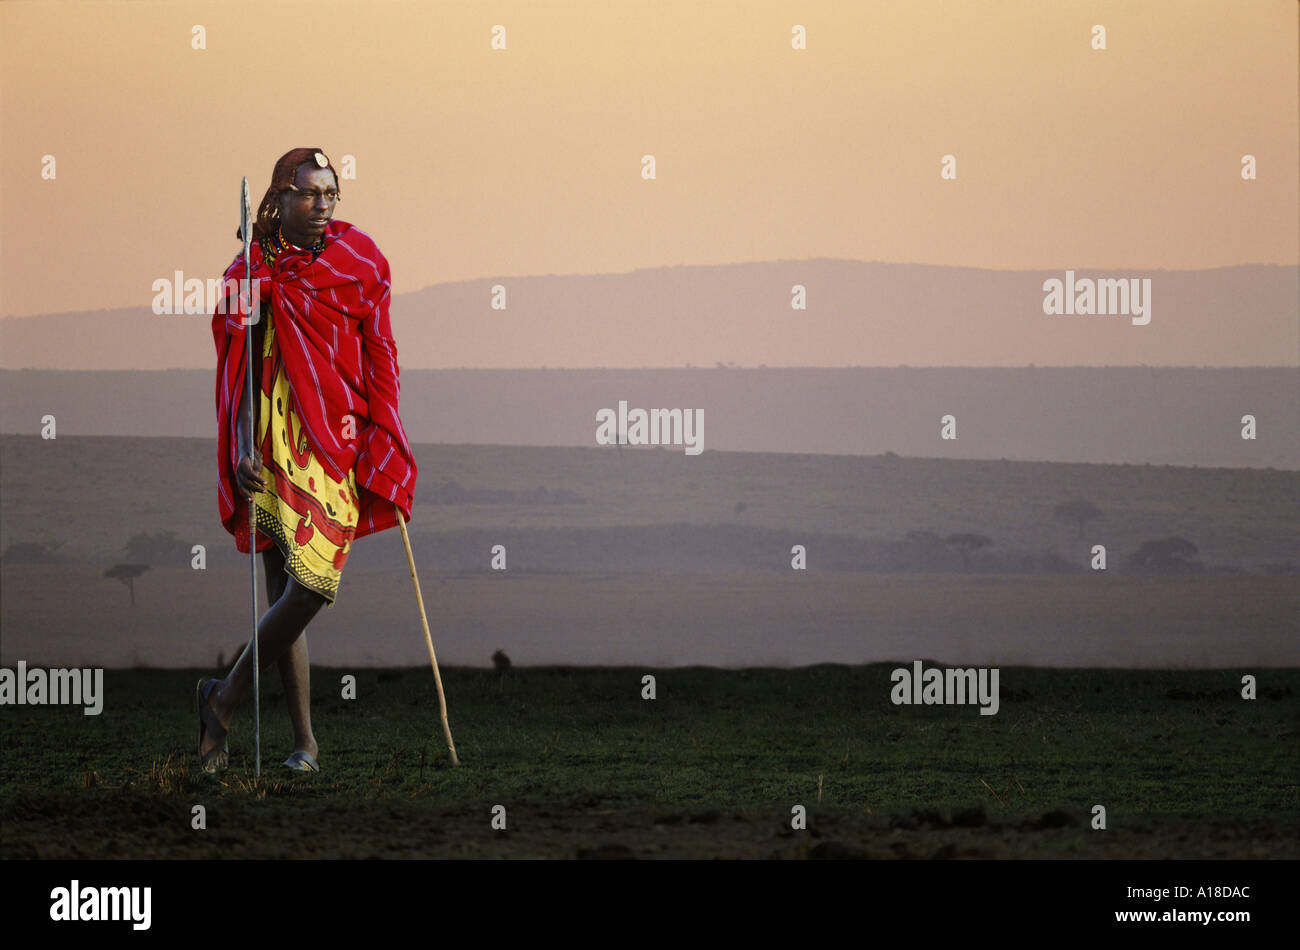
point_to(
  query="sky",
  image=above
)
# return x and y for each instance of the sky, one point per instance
(475, 162)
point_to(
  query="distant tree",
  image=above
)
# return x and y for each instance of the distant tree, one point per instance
(1077, 512)
(32, 552)
(925, 550)
(449, 492)
(966, 544)
(1170, 555)
(1280, 568)
(161, 548)
(127, 573)
(923, 538)
(1052, 563)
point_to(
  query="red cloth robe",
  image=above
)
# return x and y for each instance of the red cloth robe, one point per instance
(333, 333)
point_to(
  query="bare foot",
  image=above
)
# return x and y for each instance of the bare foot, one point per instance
(211, 739)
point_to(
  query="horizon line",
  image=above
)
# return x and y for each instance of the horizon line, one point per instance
(761, 366)
(782, 260)
(888, 453)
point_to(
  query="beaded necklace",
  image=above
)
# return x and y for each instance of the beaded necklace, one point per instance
(276, 244)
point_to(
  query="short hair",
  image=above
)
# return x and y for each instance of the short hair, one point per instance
(267, 222)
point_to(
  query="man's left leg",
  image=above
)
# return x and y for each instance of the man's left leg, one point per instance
(295, 670)
(295, 674)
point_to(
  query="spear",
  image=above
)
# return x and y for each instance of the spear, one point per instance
(245, 221)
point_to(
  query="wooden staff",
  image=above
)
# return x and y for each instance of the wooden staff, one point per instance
(424, 621)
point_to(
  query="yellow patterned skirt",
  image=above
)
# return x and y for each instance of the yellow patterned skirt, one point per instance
(311, 516)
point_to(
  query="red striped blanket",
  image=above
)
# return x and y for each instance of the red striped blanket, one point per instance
(332, 327)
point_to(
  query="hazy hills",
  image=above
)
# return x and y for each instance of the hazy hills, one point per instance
(652, 556)
(857, 314)
(1181, 416)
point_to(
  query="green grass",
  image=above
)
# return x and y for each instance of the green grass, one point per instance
(711, 768)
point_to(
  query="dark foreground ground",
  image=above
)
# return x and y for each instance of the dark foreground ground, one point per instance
(711, 768)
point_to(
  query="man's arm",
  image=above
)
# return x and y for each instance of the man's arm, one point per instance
(243, 435)
(243, 440)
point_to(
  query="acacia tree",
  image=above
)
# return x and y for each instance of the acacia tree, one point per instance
(163, 547)
(1077, 512)
(1172, 554)
(966, 544)
(921, 551)
(32, 552)
(127, 573)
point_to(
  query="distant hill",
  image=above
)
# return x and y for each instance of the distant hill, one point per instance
(645, 556)
(1113, 415)
(598, 509)
(858, 314)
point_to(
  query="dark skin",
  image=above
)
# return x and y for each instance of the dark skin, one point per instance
(304, 215)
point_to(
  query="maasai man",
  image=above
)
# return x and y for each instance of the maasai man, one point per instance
(332, 461)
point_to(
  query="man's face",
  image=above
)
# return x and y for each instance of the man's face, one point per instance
(305, 212)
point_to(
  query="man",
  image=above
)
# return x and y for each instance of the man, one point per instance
(332, 462)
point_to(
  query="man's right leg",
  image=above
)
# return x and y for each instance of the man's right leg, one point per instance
(295, 674)
(295, 669)
(276, 578)
(279, 627)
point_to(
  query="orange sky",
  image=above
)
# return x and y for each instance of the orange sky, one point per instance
(480, 163)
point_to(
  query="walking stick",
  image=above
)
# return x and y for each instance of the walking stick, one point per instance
(245, 216)
(437, 680)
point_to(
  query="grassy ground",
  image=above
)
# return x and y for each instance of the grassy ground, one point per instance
(710, 768)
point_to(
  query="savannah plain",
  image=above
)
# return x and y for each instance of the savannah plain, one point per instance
(1119, 687)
